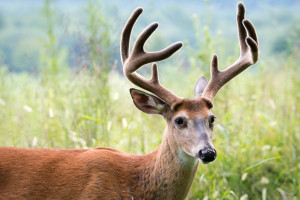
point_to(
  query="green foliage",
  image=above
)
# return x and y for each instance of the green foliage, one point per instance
(50, 46)
(52, 58)
(205, 48)
(99, 55)
(98, 39)
(289, 42)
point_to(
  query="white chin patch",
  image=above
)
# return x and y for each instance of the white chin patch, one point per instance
(186, 160)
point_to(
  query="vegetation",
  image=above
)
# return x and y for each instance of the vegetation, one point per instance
(68, 93)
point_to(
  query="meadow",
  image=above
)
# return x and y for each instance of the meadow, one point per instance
(256, 133)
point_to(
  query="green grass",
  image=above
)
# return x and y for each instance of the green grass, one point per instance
(257, 132)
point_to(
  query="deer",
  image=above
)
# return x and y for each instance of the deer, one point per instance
(106, 173)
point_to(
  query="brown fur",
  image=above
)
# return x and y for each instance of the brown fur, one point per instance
(196, 107)
(100, 173)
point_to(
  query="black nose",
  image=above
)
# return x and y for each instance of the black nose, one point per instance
(207, 154)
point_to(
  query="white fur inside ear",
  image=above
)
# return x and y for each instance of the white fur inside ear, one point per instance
(152, 103)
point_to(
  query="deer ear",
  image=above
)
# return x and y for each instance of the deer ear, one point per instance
(147, 103)
(200, 86)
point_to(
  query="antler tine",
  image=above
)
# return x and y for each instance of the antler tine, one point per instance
(248, 56)
(138, 57)
(125, 37)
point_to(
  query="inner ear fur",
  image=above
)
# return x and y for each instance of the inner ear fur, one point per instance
(200, 86)
(148, 103)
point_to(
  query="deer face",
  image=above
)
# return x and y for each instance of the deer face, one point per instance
(192, 127)
(190, 121)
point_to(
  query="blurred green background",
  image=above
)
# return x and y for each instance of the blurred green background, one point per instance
(61, 85)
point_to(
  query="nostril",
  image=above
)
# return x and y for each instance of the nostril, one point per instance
(207, 155)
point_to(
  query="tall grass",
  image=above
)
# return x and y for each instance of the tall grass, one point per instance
(257, 132)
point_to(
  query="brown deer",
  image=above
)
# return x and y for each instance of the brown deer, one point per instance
(104, 173)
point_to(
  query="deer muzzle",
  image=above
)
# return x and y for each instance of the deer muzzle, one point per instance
(207, 155)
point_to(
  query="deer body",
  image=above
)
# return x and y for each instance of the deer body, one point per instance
(104, 173)
(100, 173)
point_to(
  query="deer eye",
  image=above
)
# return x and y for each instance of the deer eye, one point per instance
(179, 121)
(212, 119)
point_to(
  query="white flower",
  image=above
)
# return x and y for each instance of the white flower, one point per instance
(264, 180)
(124, 123)
(27, 108)
(2, 102)
(205, 198)
(51, 115)
(244, 176)
(244, 197)
(109, 126)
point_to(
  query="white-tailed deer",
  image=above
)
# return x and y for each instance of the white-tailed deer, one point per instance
(104, 173)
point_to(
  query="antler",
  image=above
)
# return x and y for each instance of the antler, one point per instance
(138, 57)
(248, 56)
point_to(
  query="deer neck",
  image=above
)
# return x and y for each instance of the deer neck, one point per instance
(169, 172)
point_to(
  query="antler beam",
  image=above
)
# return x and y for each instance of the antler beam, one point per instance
(138, 57)
(248, 56)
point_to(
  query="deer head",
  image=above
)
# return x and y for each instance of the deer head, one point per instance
(189, 121)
